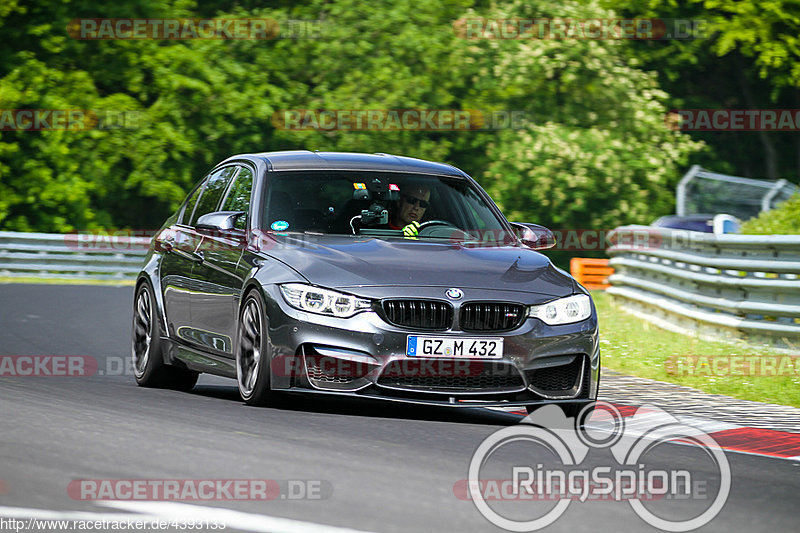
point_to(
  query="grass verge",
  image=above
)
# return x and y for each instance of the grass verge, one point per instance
(635, 347)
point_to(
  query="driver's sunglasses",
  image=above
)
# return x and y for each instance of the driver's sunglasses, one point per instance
(413, 200)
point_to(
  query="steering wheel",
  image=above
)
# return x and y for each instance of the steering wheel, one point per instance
(448, 228)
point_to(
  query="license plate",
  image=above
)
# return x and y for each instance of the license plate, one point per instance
(464, 347)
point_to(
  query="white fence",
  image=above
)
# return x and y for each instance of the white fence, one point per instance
(701, 191)
(80, 256)
(734, 286)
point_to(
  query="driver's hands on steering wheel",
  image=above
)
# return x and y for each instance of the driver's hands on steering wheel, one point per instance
(411, 230)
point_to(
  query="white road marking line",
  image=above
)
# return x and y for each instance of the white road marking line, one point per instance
(706, 424)
(150, 510)
(233, 519)
(642, 422)
(48, 514)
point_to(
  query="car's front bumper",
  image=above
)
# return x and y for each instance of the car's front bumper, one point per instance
(369, 343)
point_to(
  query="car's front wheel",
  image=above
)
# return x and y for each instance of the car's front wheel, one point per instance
(253, 352)
(146, 351)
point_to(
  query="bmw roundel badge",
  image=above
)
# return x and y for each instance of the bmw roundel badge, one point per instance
(454, 294)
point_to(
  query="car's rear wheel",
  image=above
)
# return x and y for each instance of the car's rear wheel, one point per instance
(253, 352)
(146, 351)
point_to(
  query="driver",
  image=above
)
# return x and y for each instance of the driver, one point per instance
(410, 210)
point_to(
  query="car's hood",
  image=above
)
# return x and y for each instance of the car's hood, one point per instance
(346, 262)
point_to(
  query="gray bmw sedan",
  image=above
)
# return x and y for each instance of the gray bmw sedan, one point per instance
(367, 275)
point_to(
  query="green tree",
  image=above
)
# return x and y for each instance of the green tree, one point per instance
(746, 57)
(594, 149)
(783, 220)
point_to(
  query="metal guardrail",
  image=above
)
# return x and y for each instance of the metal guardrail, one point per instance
(741, 286)
(77, 256)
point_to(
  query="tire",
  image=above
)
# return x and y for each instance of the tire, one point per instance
(146, 349)
(253, 352)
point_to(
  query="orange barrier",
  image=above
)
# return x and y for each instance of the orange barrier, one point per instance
(591, 273)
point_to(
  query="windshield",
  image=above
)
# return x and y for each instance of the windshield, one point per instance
(379, 204)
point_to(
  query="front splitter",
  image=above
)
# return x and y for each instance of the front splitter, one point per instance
(450, 402)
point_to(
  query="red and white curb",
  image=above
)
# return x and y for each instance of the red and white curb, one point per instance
(730, 437)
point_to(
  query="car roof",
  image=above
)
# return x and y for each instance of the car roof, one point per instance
(308, 160)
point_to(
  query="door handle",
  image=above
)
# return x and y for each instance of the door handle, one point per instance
(197, 257)
(165, 246)
(165, 241)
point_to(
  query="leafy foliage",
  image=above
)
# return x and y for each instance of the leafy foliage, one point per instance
(594, 150)
(747, 57)
(783, 220)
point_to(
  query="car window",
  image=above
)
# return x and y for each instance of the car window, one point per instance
(191, 201)
(238, 198)
(470, 208)
(212, 192)
(327, 202)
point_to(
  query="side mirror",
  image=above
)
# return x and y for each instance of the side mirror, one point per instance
(220, 221)
(534, 236)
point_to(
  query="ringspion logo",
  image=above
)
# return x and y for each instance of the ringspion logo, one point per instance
(569, 477)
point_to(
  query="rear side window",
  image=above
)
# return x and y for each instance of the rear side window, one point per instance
(238, 198)
(212, 192)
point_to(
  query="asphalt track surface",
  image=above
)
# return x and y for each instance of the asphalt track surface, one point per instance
(384, 467)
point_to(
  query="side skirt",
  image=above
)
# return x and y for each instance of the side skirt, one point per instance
(199, 361)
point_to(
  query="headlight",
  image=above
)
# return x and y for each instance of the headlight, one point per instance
(323, 301)
(563, 311)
